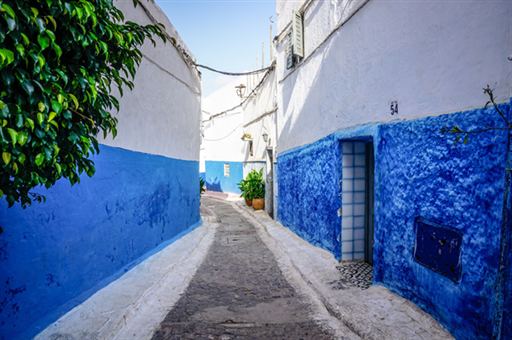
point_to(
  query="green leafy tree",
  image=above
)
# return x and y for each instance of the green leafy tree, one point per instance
(58, 63)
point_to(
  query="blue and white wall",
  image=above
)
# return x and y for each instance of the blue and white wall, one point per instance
(144, 194)
(221, 143)
(433, 59)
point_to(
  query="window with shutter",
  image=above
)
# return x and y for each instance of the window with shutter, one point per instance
(298, 42)
(295, 46)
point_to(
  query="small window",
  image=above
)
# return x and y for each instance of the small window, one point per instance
(226, 169)
(295, 47)
(250, 148)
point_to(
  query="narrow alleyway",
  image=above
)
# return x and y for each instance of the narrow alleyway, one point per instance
(242, 275)
(239, 292)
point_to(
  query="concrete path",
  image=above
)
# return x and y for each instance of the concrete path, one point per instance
(241, 276)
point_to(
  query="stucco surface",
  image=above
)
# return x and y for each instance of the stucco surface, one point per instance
(418, 172)
(51, 253)
(430, 57)
(309, 194)
(506, 251)
(216, 181)
(222, 135)
(161, 115)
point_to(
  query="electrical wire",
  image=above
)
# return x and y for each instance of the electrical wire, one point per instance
(189, 60)
(226, 136)
(269, 70)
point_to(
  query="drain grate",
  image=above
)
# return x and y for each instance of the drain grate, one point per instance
(237, 239)
(357, 273)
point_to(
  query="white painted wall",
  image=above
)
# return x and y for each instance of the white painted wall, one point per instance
(431, 57)
(256, 123)
(161, 115)
(222, 135)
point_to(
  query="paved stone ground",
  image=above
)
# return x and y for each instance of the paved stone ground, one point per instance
(239, 292)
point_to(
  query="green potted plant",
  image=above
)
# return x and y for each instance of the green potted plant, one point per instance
(246, 194)
(256, 188)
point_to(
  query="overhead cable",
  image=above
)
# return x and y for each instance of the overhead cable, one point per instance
(188, 58)
(215, 140)
(269, 70)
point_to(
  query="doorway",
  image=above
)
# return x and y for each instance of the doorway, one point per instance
(357, 201)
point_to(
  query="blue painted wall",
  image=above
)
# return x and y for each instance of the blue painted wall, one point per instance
(309, 193)
(215, 179)
(85, 236)
(418, 172)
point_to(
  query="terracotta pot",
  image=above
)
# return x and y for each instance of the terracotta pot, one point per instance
(258, 203)
(249, 203)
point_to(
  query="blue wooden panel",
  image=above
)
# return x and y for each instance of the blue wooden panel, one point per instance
(438, 248)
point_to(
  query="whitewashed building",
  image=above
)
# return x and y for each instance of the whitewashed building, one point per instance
(364, 88)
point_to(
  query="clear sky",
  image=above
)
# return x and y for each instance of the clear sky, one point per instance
(224, 35)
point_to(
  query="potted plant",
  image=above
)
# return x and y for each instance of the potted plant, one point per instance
(244, 188)
(256, 188)
(247, 136)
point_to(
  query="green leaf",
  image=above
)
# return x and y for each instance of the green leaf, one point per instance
(19, 120)
(41, 106)
(39, 159)
(466, 139)
(26, 42)
(58, 51)
(22, 137)
(40, 118)
(56, 106)
(7, 56)
(6, 156)
(58, 167)
(75, 101)
(9, 10)
(28, 87)
(21, 158)
(52, 115)
(30, 122)
(49, 17)
(43, 41)
(20, 49)
(13, 134)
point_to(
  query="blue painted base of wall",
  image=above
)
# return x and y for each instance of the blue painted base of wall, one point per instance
(216, 181)
(56, 254)
(418, 172)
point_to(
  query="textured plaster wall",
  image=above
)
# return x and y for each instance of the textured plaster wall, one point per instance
(309, 193)
(256, 124)
(506, 254)
(222, 135)
(430, 57)
(160, 116)
(53, 252)
(216, 181)
(418, 172)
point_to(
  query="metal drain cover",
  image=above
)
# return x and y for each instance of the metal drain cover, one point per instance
(236, 239)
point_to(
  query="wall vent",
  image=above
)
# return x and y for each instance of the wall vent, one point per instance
(226, 169)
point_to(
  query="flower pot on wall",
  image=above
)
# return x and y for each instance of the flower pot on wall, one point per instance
(258, 203)
(248, 202)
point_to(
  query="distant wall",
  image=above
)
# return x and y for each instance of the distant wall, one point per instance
(144, 194)
(217, 181)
